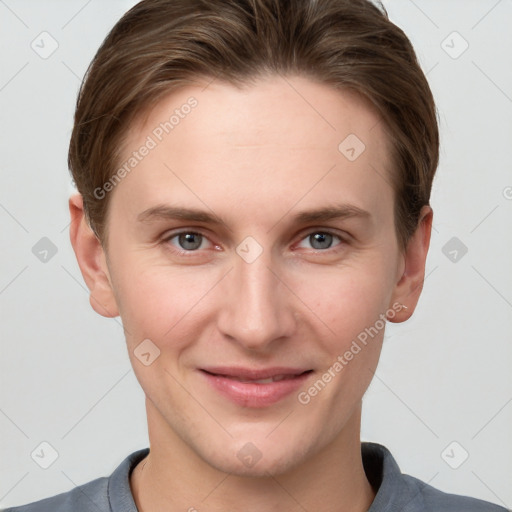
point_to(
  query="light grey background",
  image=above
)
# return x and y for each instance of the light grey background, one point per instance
(444, 375)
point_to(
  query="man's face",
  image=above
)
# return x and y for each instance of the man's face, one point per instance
(257, 282)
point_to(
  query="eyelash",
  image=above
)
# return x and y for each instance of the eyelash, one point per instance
(192, 253)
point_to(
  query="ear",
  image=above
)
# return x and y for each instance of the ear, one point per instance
(91, 260)
(410, 284)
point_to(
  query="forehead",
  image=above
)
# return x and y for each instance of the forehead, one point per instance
(278, 134)
(261, 109)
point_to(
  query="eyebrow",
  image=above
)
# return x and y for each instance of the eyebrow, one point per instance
(165, 212)
(332, 212)
(172, 212)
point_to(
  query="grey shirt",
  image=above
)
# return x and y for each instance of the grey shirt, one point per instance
(396, 492)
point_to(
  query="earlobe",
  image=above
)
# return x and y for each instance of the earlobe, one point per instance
(408, 288)
(91, 259)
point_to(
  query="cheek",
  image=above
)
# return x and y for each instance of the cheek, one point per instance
(348, 299)
(159, 302)
(350, 303)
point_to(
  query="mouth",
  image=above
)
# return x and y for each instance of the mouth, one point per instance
(255, 388)
(263, 376)
(275, 378)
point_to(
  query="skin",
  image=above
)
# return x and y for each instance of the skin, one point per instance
(255, 158)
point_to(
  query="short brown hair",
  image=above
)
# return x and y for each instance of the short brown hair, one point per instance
(160, 45)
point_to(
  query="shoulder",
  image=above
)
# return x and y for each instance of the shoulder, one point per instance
(406, 493)
(429, 499)
(104, 494)
(89, 497)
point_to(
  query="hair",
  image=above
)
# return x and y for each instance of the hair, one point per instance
(161, 45)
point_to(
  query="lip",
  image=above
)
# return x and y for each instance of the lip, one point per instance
(235, 383)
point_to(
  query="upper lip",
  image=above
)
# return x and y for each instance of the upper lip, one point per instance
(253, 373)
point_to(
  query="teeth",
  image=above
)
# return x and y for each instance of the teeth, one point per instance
(282, 377)
(269, 380)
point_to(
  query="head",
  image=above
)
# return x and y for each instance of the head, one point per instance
(254, 180)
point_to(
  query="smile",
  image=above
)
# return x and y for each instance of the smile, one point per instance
(255, 388)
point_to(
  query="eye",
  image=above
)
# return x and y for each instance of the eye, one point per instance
(320, 240)
(187, 241)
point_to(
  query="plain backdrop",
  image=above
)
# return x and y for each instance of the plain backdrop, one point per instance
(441, 400)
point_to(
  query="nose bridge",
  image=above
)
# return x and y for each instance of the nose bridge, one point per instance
(256, 308)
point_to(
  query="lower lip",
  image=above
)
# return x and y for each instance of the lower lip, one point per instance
(254, 394)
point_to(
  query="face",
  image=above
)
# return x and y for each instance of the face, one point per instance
(254, 246)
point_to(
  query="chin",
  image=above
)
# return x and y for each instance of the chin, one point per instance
(259, 459)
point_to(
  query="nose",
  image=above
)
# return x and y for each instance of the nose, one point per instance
(256, 308)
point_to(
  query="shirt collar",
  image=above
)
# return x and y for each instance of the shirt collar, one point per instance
(382, 471)
(119, 491)
(393, 492)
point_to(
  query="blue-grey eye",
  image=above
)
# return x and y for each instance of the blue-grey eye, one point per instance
(190, 241)
(320, 240)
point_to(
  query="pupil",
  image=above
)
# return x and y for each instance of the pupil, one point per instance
(190, 240)
(321, 240)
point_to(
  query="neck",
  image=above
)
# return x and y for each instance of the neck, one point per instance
(172, 477)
